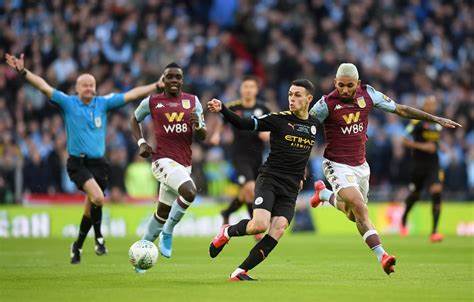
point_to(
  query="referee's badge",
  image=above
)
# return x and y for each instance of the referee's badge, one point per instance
(186, 104)
(98, 122)
(361, 102)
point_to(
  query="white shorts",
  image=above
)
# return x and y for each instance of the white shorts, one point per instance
(171, 175)
(343, 176)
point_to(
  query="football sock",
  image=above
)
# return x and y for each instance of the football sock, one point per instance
(234, 205)
(96, 219)
(154, 227)
(436, 198)
(259, 252)
(249, 209)
(176, 213)
(409, 202)
(236, 230)
(84, 228)
(372, 239)
(325, 194)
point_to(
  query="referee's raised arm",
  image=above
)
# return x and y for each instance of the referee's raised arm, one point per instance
(36, 81)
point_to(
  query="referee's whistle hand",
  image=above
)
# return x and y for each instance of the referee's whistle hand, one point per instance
(214, 105)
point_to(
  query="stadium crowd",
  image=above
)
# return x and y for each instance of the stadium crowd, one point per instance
(407, 49)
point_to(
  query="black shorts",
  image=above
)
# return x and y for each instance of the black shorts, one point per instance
(81, 169)
(246, 170)
(425, 175)
(270, 196)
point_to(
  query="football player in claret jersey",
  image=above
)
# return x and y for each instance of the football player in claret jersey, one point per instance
(176, 117)
(292, 135)
(247, 148)
(344, 113)
(423, 138)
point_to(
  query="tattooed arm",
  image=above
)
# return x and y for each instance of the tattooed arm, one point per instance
(417, 114)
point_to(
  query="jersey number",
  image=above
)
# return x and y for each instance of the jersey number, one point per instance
(176, 128)
(353, 129)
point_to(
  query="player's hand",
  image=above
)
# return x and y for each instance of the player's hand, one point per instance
(160, 85)
(16, 63)
(145, 150)
(447, 123)
(214, 105)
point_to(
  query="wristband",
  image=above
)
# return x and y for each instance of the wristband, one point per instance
(22, 73)
(141, 141)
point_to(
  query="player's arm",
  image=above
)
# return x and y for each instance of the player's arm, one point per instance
(137, 117)
(409, 142)
(387, 104)
(319, 110)
(216, 105)
(141, 92)
(36, 81)
(197, 120)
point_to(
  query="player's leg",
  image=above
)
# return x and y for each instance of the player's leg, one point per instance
(187, 194)
(155, 225)
(262, 249)
(356, 204)
(435, 191)
(233, 206)
(245, 174)
(260, 222)
(156, 222)
(415, 187)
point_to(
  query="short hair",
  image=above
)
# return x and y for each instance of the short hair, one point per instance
(347, 70)
(251, 77)
(173, 65)
(307, 84)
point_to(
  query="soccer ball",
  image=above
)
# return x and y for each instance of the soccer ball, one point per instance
(143, 254)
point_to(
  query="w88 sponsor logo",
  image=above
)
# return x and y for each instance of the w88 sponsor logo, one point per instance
(176, 128)
(353, 129)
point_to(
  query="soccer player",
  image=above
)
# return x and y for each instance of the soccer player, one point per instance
(344, 113)
(425, 166)
(176, 116)
(248, 146)
(85, 116)
(292, 135)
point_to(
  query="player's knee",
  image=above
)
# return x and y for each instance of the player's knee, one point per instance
(98, 199)
(278, 229)
(163, 211)
(188, 191)
(359, 210)
(260, 226)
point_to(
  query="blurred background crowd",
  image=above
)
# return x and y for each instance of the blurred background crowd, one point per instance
(406, 49)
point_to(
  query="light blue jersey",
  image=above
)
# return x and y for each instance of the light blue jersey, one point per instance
(86, 124)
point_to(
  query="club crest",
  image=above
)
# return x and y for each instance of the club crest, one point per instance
(186, 104)
(361, 102)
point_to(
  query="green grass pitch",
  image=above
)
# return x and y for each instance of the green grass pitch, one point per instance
(302, 268)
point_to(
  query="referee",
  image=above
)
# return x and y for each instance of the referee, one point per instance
(85, 117)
